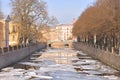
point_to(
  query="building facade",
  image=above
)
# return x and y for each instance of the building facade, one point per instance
(13, 33)
(64, 32)
(2, 35)
(4, 32)
(8, 33)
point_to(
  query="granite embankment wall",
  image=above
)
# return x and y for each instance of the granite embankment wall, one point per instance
(10, 57)
(106, 57)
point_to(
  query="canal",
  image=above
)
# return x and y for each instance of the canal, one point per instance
(59, 64)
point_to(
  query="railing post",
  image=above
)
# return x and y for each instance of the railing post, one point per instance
(107, 49)
(21, 46)
(112, 49)
(8, 48)
(2, 50)
(12, 48)
(102, 47)
(24, 45)
(119, 50)
(17, 47)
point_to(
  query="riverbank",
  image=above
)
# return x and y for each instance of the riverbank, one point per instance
(59, 64)
(106, 57)
(11, 57)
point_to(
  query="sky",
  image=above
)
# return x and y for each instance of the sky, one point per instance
(63, 10)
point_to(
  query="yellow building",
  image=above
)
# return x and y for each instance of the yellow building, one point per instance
(4, 32)
(8, 33)
(13, 33)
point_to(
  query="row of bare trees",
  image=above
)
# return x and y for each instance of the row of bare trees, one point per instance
(99, 24)
(31, 16)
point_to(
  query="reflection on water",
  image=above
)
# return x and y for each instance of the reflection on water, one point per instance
(59, 64)
(59, 57)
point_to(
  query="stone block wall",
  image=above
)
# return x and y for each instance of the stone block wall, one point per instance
(106, 57)
(11, 57)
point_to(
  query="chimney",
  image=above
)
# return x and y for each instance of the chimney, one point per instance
(73, 21)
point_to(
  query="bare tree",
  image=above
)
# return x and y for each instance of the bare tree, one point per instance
(29, 14)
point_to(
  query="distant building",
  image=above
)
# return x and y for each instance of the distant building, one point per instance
(4, 32)
(2, 35)
(64, 32)
(13, 33)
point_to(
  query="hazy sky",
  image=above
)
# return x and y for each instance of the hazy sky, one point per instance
(63, 10)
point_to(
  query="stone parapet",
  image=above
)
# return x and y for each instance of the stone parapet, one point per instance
(13, 56)
(106, 57)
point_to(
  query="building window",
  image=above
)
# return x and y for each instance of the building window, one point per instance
(13, 37)
(13, 30)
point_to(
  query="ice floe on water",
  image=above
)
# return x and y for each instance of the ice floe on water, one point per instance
(47, 62)
(81, 53)
(90, 67)
(29, 75)
(112, 77)
(64, 75)
(59, 64)
(29, 63)
(57, 67)
(7, 69)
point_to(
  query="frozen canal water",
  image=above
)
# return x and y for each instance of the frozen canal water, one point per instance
(59, 64)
